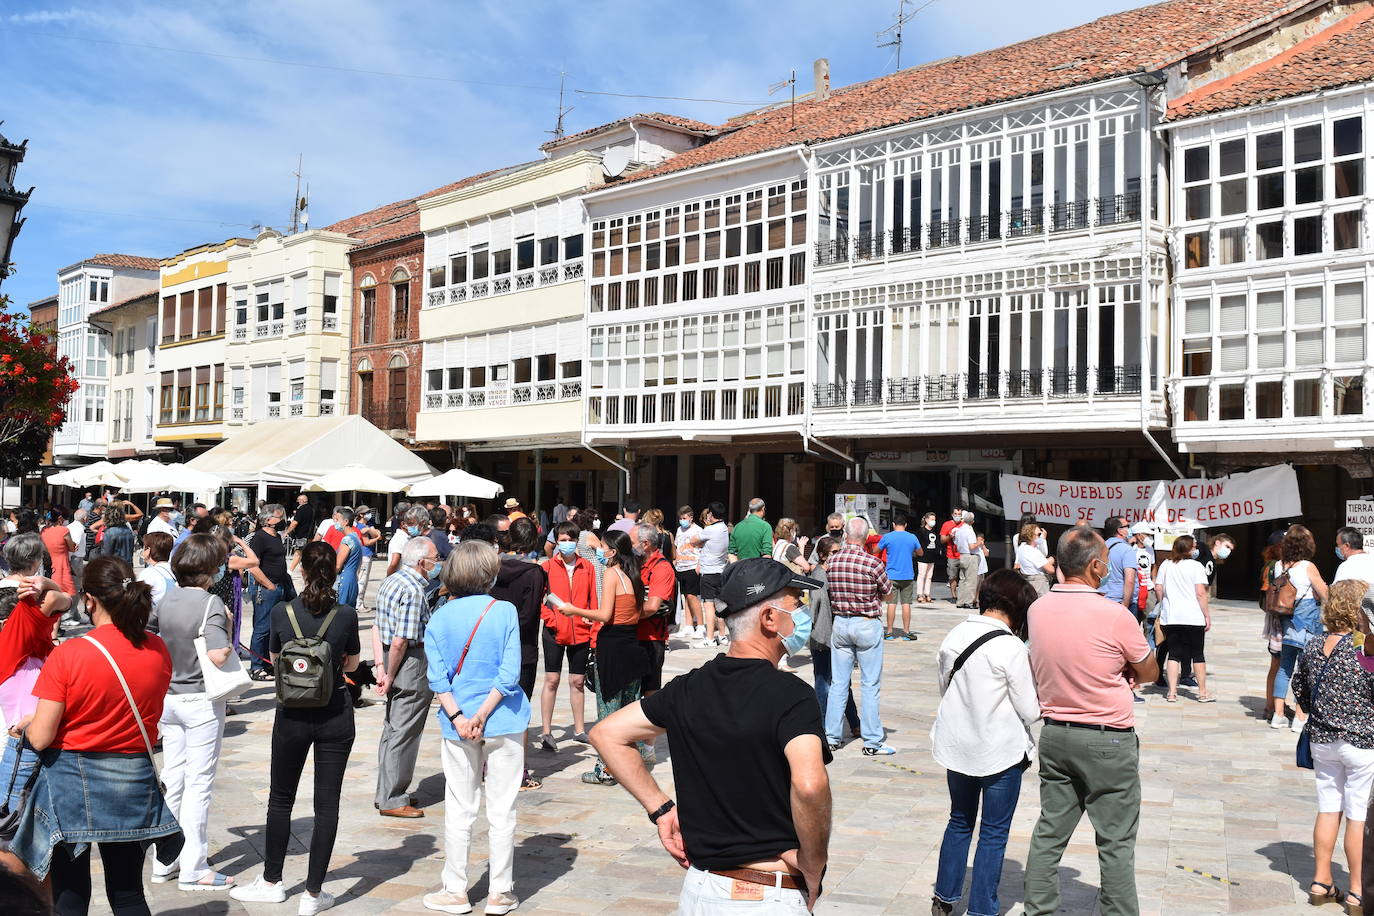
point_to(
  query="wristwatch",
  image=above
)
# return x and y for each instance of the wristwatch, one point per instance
(455, 715)
(663, 809)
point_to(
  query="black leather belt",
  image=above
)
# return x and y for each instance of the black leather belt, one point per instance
(1096, 728)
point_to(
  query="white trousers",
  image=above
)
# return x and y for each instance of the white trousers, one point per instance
(504, 758)
(705, 894)
(192, 732)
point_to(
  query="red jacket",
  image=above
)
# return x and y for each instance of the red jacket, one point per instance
(660, 581)
(580, 592)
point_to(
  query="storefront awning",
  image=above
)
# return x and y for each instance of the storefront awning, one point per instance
(291, 452)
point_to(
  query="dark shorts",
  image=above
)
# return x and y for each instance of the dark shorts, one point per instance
(1184, 642)
(688, 582)
(653, 680)
(710, 586)
(553, 655)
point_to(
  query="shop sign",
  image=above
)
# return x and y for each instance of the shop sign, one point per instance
(1191, 503)
(1359, 513)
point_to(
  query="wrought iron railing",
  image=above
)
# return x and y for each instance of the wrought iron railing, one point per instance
(1057, 383)
(1123, 208)
(835, 251)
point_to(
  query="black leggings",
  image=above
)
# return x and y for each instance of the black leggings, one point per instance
(330, 732)
(71, 879)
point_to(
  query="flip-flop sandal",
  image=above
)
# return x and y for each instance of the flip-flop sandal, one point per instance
(216, 882)
(1171, 699)
(1207, 698)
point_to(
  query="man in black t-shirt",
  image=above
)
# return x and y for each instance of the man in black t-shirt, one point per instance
(302, 525)
(747, 742)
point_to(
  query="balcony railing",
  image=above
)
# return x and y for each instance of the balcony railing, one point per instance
(1080, 382)
(944, 233)
(1072, 214)
(297, 410)
(550, 275)
(835, 251)
(331, 322)
(298, 325)
(1123, 208)
(868, 246)
(326, 409)
(906, 240)
(749, 403)
(273, 411)
(520, 393)
(400, 328)
(387, 414)
(241, 332)
(1023, 222)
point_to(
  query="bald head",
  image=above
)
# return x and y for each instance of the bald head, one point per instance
(1076, 551)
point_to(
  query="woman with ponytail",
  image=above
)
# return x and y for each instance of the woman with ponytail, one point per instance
(618, 663)
(99, 701)
(328, 730)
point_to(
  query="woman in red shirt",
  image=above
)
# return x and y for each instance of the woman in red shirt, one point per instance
(99, 701)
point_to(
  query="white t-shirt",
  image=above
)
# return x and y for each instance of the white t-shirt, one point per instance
(1360, 566)
(159, 578)
(398, 542)
(1030, 560)
(78, 536)
(964, 538)
(1297, 574)
(157, 524)
(323, 527)
(715, 544)
(684, 554)
(1179, 582)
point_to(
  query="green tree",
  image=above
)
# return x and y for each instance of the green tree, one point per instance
(36, 385)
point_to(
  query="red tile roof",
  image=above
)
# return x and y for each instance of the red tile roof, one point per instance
(138, 262)
(400, 219)
(1337, 56)
(1140, 40)
(150, 297)
(670, 120)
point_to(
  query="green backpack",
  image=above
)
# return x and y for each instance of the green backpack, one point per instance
(305, 666)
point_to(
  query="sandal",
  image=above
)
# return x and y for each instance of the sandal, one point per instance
(529, 782)
(1207, 698)
(1356, 908)
(259, 674)
(1171, 698)
(1330, 894)
(211, 881)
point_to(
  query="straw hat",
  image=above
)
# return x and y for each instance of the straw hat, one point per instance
(512, 503)
(164, 503)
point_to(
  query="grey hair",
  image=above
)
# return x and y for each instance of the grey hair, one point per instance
(968, 518)
(417, 515)
(266, 512)
(471, 568)
(346, 512)
(742, 623)
(646, 534)
(1348, 536)
(756, 505)
(25, 553)
(1076, 550)
(856, 530)
(417, 549)
(80, 516)
(834, 517)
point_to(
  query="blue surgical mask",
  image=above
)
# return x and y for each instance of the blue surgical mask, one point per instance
(1222, 552)
(567, 547)
(1195, 554)
(684, 523)
(601, 556)
(801, 629)
(413, 530)
(1340, 557)
(432, 572)
(219, 574)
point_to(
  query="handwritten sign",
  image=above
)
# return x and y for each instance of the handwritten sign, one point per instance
(1207, 503)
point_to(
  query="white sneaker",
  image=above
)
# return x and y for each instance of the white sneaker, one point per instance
(702, 643)
(162, 874)
(260, 891)
(312, 903)
(501, 904)
(1278, 722)
(445, 902)
(699, 631)
(1298, 725)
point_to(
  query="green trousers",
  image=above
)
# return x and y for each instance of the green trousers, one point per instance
(1098, 772)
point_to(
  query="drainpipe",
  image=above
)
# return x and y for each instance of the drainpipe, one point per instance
(1147, 83)
(629, 478)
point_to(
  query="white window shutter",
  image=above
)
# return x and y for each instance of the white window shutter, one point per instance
(1307, 305)
(1233, 354)
(544, 339)
(570, 218)
(524, 223)
(1349, 345)
(570, 341)
(331, 284)
(1269, 351)
(1232, 314)
(433, 357)
(1197, 316)
(501, 232)
(1349, 302)
(296, 370)
(521, 343)
(1269, 310)
(329, 374)
(298, 294)
(1308, 349)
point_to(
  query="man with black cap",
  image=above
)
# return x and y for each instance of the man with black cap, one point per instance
(748, 753)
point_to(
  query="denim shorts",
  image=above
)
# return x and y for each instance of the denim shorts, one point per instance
(84, 797)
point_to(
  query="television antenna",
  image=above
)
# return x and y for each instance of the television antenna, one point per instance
(300, 218)
(783, 84)
(893, 33)
(562, 112)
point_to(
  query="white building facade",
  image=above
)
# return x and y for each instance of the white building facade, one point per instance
(83, 289)
(131, 412)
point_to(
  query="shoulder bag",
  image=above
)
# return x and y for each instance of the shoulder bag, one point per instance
(1304, 750)
(468, 645)
(972, 648)
(138, 717)
(10, 818)
(222, 682)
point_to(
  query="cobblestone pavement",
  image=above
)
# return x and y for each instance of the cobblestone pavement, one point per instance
(1225, 824)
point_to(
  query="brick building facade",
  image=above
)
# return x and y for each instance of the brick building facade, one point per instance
(384, 366)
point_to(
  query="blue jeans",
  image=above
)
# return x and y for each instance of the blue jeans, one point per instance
(820, 670)
(1288, 660)
(268, 598)
(856, 639)
(27, 759)
(999, 794)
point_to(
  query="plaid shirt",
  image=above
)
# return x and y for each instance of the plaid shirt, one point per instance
(856, 582)
(401, 606)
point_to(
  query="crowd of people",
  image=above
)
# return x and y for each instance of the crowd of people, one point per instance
(469, 604)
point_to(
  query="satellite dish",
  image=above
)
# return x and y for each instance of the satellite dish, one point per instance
(615, 160)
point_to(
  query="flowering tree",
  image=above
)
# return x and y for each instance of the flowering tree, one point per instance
(35, 387)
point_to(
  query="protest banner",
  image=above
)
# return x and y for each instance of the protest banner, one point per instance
(1190, 503)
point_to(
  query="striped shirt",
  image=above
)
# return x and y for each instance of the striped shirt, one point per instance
(401, 607)
(856, 582)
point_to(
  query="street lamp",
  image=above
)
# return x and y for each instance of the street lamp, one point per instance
(11, 200)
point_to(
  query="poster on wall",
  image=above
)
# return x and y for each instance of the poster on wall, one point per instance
(877, 510)
(1192, 503)
(1359, 513)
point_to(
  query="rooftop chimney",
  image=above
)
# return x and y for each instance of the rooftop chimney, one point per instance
(821, 71)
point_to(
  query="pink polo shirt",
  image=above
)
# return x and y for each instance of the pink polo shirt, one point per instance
(1080, 646)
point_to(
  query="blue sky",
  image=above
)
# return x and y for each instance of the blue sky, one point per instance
(142, 150)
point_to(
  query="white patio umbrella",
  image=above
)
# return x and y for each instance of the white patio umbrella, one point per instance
(99, 474)
(172, 478)
(457, 482)
(354, 477)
